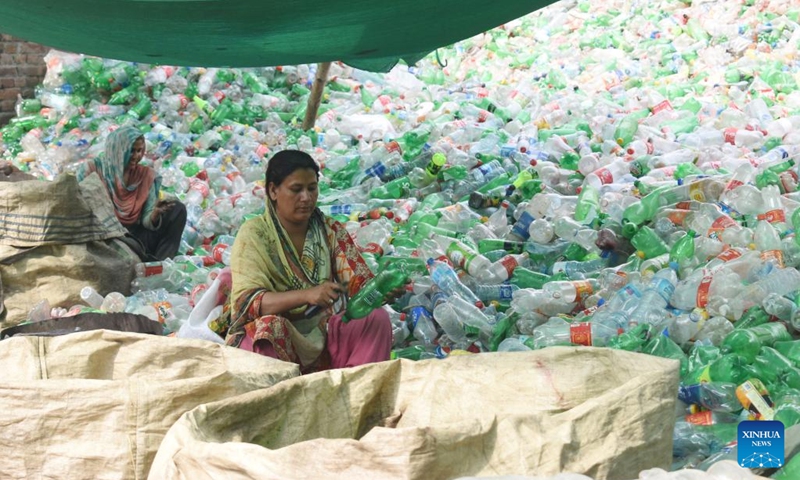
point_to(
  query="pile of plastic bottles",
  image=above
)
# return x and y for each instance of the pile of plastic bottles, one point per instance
(617, 173)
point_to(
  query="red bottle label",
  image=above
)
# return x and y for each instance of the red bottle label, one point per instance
(509, 263)
(582, 290)
(702, 291)
(730, 135)
(701, 418)
(373, 248)
(393, 146)
(729, 255)
(154, 268)
(218, 251)
(581, 334)
(774, 216)
(662, 106)
(733, 184)
(775, 255)
(605, 176)
(677, 217)
(719, 225)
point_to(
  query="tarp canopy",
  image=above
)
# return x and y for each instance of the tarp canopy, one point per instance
(368, 34)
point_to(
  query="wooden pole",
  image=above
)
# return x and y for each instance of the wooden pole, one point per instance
(316, 95)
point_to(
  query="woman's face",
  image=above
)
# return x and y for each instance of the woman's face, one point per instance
(137, 152)
(296, 197)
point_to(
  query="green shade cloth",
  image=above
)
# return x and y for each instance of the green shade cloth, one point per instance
(370, 35)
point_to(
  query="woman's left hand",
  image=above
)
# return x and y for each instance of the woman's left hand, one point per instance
(162, 207)
(395, 294)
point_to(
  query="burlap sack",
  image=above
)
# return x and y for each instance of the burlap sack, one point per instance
(603, 413)
(56, 238)
(95, 405)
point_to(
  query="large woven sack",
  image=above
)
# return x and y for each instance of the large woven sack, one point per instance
(56, 238)
(96, 405)
(603, 413)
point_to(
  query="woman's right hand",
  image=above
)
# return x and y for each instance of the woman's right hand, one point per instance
(324, 294)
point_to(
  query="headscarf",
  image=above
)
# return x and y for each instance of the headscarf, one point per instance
(129, 200)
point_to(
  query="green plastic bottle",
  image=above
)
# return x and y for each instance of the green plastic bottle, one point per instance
(396, 189)
(727, 368)
(748, 341)
(626, 130)
(753, 317)
(492, 244)
(789, 349)
(647, 241)
(588, 205)
(524, 278)
(682, 252)
(372, 294)
(645, 209)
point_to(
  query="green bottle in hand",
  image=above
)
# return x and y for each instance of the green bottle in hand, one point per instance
(372, 294)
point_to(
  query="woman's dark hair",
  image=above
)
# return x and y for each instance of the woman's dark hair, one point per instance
(286, 162)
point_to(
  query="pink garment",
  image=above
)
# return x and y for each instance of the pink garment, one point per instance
(357, 342)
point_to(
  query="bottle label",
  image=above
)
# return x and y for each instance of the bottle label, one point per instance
(522, 225)
(581, 333)
(705, 375)
(728, 255)
(393, 146)
(730, 135)
(162, 308)
(677, 217)
(153, 268)
(696, 192)
(774, 216)
(200, 186)
(372, 297)
(509, 263)
(506, 292)
(373, 248)
(582, 290)
(218, 250)
(686, 205)
(733, 184)
(483, 115)
(665, 289)
(756, 400)
(702, 291)
(775, 255)
(701, 418)
(689, 394)
(719, 225)
(662, 106)
(605, 176)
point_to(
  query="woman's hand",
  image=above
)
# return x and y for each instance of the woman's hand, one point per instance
(324, 294)
(162, 207)
(395, 294)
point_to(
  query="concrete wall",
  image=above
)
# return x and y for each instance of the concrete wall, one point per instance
(21, 69)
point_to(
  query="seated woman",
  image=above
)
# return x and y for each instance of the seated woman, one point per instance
(289, 267)
(155, 227)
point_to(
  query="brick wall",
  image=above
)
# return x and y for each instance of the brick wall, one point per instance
(21, 69)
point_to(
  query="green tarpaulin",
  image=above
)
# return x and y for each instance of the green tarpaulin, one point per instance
(369, 34)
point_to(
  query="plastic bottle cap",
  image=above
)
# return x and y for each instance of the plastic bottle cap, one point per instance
(479, 304)
(402, 317)
(533, 162)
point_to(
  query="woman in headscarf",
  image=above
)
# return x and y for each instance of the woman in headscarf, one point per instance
(290, 266)
(155, 226)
